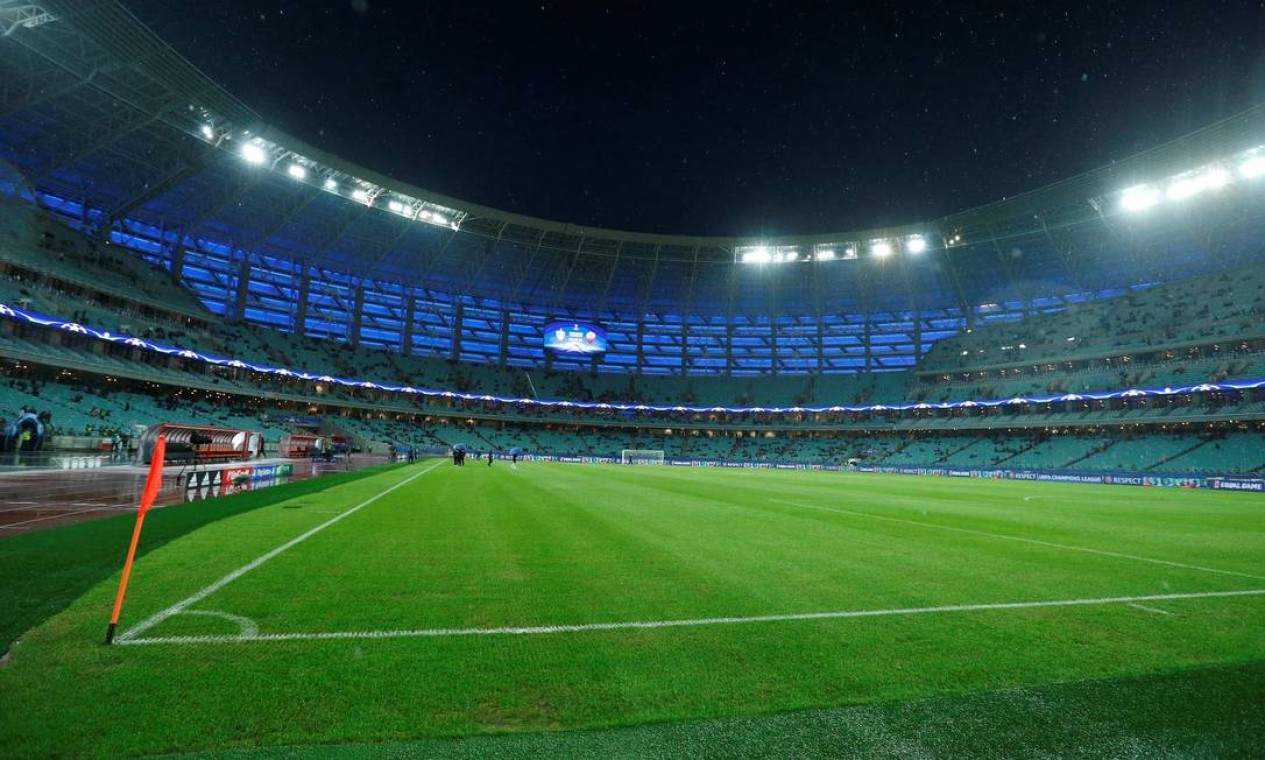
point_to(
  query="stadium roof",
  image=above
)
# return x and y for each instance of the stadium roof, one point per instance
(97, 111)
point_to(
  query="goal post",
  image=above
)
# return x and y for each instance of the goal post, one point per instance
(641, 456)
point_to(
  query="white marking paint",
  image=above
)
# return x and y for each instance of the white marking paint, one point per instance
(18, 505)
(64, 513)
(184, 604)
(686, 623)
(1150, 609)
(1037, 542)
(248, 626)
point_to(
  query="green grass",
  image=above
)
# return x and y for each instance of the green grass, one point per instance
(1212, 712)
(43, 572)
(561, 545)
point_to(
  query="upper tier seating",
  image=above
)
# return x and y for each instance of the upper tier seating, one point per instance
(1223, 306)
(99, 277)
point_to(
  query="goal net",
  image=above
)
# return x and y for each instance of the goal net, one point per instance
(641, 456)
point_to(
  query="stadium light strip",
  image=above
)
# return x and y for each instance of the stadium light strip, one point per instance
(1246, 166)
(880, 248)
(266, 154)
(42, 320)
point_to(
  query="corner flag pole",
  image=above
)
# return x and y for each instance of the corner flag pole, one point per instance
(152, 484)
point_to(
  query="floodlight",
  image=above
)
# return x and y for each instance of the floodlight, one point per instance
(1139, 198)
(424, 214)
(850, 252)
(395, 206)
(1217, 179)
(297, 171)
(207, 131)
(916, 244)
(792, 255)
(825, 254)
(1252, 168)
(331, 185)
(881, 249)
(758, 255)
(1197, 183)
(253, 153)
(360, 194)
(1183, 188)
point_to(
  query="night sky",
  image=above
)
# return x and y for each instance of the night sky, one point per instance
(729, 119)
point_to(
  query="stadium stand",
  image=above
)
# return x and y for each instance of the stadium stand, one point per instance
(1029, 309)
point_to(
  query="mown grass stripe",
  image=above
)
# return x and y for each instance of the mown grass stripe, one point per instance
(180, 606)
(1036, 542)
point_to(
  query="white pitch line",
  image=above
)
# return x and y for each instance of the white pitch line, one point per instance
(1037, 542)
(19, 505)
(1156, 610)
(686, 623)
(65, 513)
(249, 627)
(180, 606)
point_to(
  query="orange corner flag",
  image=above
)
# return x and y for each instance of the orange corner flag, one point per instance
(153, 483)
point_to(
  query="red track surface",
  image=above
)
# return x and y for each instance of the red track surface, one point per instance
(37, 499)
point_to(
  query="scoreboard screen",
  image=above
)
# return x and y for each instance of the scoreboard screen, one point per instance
(575, 338)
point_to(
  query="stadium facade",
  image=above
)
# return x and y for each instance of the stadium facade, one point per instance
(107, 131)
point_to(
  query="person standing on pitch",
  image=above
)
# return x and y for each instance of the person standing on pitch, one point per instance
(489, 457)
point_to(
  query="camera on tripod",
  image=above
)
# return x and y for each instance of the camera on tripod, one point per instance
(199, 439)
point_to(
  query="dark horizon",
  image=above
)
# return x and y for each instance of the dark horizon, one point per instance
(671, 119)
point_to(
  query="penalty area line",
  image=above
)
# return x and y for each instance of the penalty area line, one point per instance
(685, 623)
(182, 605)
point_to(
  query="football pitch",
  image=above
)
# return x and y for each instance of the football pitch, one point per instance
(433, 602)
